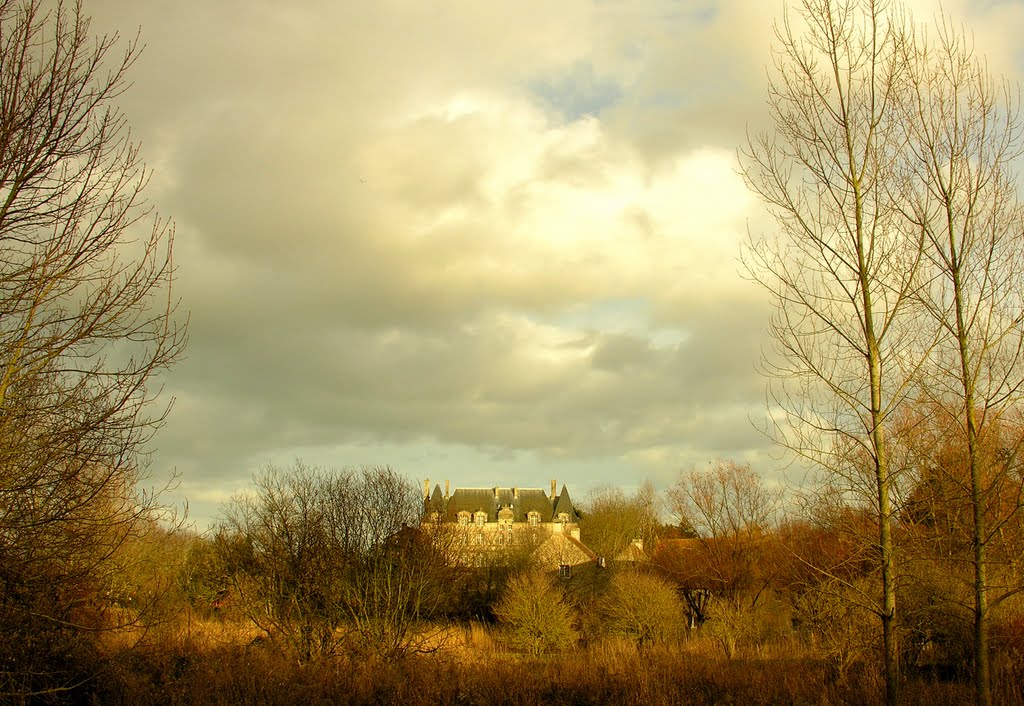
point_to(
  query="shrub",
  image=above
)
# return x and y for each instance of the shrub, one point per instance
(731, 625)
(640, 606)
(844, 630)
(535, 614)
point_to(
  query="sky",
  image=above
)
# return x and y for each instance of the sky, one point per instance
(494, 243)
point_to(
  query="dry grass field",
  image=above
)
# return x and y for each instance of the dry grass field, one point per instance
(214, 661)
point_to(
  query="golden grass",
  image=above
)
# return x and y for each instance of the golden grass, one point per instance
(208, 660)
(188, 631)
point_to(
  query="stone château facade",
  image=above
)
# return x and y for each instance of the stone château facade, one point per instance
(495, 520)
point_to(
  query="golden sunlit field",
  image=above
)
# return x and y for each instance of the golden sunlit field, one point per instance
(211, 660)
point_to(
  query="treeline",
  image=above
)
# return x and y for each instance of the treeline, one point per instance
(815, 561)
(315, 574)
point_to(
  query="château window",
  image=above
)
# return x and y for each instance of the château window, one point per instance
(481, 517)
(565, 571)
(463, 519)
(534, 518)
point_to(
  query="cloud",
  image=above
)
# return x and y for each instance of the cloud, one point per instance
(477, 234)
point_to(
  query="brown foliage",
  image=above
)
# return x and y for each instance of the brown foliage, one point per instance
(939, 507)
(732, 511)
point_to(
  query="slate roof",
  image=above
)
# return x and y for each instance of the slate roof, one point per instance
(437, 500)
(491, 500)
(564, 504)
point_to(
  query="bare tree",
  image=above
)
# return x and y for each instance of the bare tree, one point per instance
(399, 566)
(317, 560)
(963, 135)
(731, 510)
(726, 500)
(842, 272)
(612, 520)
(86, 321)
(275, 547)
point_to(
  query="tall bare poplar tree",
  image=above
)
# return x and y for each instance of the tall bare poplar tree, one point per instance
(86, 323)
(841, 270)
(964, 133)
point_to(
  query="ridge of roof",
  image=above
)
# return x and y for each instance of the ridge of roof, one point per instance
(590, 552)
(498, 488)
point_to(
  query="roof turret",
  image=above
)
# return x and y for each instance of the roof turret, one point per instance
(564, 504)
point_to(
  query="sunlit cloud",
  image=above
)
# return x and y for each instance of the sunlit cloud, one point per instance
(471, 240)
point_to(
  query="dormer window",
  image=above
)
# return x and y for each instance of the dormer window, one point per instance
(563, 517)
(534, 518)
(464, 519)
(480, 517)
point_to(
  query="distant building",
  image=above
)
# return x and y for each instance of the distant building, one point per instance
(633, 554)
(492, 521)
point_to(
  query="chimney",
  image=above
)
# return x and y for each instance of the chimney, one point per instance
(515, 492)
(554, 488)
(426, 488)
(446, 490)
(495, 492)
